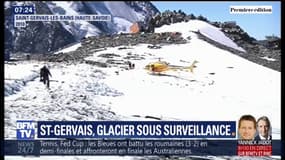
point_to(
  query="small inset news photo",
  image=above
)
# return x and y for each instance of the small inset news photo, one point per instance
(142, 80)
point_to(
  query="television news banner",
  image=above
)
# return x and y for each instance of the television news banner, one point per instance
(125, 137)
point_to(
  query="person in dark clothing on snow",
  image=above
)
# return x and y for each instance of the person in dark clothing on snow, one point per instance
(44, 75)
(131, 65)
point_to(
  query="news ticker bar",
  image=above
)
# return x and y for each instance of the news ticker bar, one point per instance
(140, 147)
(126, 129)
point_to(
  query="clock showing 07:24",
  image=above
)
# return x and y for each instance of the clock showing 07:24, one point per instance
(23, 9)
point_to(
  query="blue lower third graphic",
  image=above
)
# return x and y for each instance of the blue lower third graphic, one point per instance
(136, 129)
(25, 129)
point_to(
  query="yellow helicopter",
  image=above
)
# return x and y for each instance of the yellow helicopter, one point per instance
(161, 66)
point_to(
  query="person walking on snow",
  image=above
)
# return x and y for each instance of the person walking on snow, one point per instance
(44, 75)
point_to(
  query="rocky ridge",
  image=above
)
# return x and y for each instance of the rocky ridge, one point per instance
(266, 55)
(99, 43)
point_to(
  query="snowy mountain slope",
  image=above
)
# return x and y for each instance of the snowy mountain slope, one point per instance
(84, 29)
(223, 87)
(78, 29)
(112, 8)
(122, 24)
(204, 28)
(69, 48)
(217, 85)
(62, 33)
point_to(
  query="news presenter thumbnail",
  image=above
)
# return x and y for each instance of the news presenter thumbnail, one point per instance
(247, 127)
(250, 144)
(263, 128)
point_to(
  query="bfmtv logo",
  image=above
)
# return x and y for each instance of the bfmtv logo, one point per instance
(25, 129)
